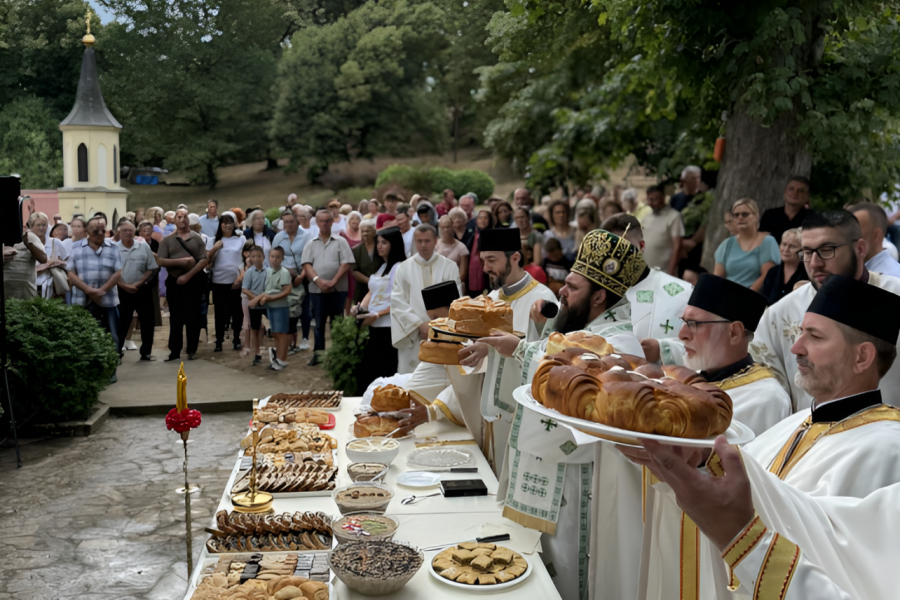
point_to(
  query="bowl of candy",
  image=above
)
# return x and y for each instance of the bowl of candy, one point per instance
(364, 525)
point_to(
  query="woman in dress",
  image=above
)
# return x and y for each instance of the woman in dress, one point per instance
(367, 261)
(56, 255)
(476, 278)
(260, 233)
(380, 356)
(450, 247)
(503, 214)
(353, 236)
(530, 238)
(781, 279)
(747, 256)
(226, 261)
(560, 228)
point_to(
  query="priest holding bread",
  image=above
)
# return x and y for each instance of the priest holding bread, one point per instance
(409, 319)
(501, 254)
(847, 444)
(718, 324)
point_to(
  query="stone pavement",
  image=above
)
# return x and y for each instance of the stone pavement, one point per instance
(97, 518)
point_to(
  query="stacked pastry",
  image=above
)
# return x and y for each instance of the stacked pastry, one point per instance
(271, 533)
(308, 399)
(279, 413)
(279, 441)
(305, 476)
(624, 391)
(479, 564)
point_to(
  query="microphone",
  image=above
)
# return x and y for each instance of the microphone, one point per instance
(549, 310)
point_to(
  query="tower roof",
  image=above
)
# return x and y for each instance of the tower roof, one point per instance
(89, 108)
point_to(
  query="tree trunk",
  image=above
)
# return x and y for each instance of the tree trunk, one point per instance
(455, 132)
(758, 163)
(211, 176)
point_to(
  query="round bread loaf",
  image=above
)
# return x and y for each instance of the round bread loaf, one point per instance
(478, 316)
(374, 425)
(557, 342)
(439, 353)
(389, 398)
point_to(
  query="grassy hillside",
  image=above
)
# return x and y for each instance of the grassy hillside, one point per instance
(250, 184)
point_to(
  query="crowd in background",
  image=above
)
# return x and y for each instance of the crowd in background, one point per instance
(276, 280)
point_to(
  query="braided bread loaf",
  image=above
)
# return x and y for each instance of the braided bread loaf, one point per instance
(625, 392)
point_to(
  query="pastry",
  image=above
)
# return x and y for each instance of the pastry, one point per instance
(440, 353)
(369, 425)
(557, 342)
(389, 398)
(478, 316)
(308, 399)
(620, 391)
(479, 564)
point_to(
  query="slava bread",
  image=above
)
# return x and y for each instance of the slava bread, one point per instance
(374, 425)
(439, 353)
(557, 342)
(619, 391)
(478, 316)
(390, 398)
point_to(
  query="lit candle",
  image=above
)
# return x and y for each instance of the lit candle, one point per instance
(181, 387)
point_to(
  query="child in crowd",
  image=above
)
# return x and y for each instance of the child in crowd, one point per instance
(274, 298)
(253, 286)
(239, 284)
(532, 269)
(556, 265)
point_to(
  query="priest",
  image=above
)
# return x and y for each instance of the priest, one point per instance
(832, 244)
(409, 319)
(444, 386)
(563, 482)
(718, 324)
(501, 254)
(848, 443)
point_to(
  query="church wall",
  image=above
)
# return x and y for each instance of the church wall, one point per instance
(93, 138)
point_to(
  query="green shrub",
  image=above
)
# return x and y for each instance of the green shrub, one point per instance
(59, 359)
(273, 213)
(348, 341)
(434, 180)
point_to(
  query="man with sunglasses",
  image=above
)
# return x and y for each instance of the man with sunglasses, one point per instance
(831, 244)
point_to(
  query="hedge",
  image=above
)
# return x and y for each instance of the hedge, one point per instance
(59, 359)
(434, 180)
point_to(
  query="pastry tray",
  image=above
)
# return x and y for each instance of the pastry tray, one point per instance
(265, 401)
(213, 559)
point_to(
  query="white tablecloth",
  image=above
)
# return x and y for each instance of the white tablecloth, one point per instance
(433, 521)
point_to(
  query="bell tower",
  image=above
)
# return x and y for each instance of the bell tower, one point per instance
(91, 150)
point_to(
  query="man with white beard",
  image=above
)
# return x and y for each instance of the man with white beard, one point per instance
(718, 325)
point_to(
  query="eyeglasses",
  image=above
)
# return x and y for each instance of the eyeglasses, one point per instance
(824, 252)
(741, 215)
(695, 325)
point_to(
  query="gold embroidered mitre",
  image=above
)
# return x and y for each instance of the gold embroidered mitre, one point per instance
(610, 261)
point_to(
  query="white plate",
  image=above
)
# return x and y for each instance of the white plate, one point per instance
(418, 479)
(440, 457)
(480, 588)
(737, 432)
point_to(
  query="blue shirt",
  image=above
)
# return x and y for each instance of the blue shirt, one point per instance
(208, 226)
(292, 251)
(254, 280)
(884, 263)
(95, 268)
(746, 267)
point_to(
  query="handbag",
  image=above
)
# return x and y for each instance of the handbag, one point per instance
(59, 276)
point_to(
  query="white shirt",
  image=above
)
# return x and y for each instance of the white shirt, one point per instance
(228, 259)
(339, 226)
(883, 263)
(408, 241)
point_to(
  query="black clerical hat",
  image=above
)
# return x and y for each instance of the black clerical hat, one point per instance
(864, 307)
(440, 295)
(500, 240)
(729, 300)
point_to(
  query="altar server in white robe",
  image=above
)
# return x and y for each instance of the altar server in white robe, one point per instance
(563, 482)
(718, 324)
(409, 319)
(501, 254)
(848, 443)
(840, 547)
(452, 395)
(832, 244)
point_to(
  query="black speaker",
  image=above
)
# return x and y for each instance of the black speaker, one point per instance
(10, 211)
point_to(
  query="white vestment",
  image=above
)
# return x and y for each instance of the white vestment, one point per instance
(780, 327)
(857, 456)
(596, 491)
(454, 396)
(759, 402)
(503, 375)
(407, 307)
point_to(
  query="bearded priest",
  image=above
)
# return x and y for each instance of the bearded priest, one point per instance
(501, 254)
(409, 319)
(832, 244)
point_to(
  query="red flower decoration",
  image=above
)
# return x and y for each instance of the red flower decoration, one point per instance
(183, 421)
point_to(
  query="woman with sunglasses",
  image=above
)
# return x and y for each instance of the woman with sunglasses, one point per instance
(747, 256)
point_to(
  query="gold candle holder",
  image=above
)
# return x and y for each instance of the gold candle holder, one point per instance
(252, 501)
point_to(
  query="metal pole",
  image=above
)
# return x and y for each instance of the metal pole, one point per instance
(187, 509)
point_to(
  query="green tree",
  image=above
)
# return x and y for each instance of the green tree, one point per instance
(805, 87)
(360, 86)
(190, 81)
(30, 143)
